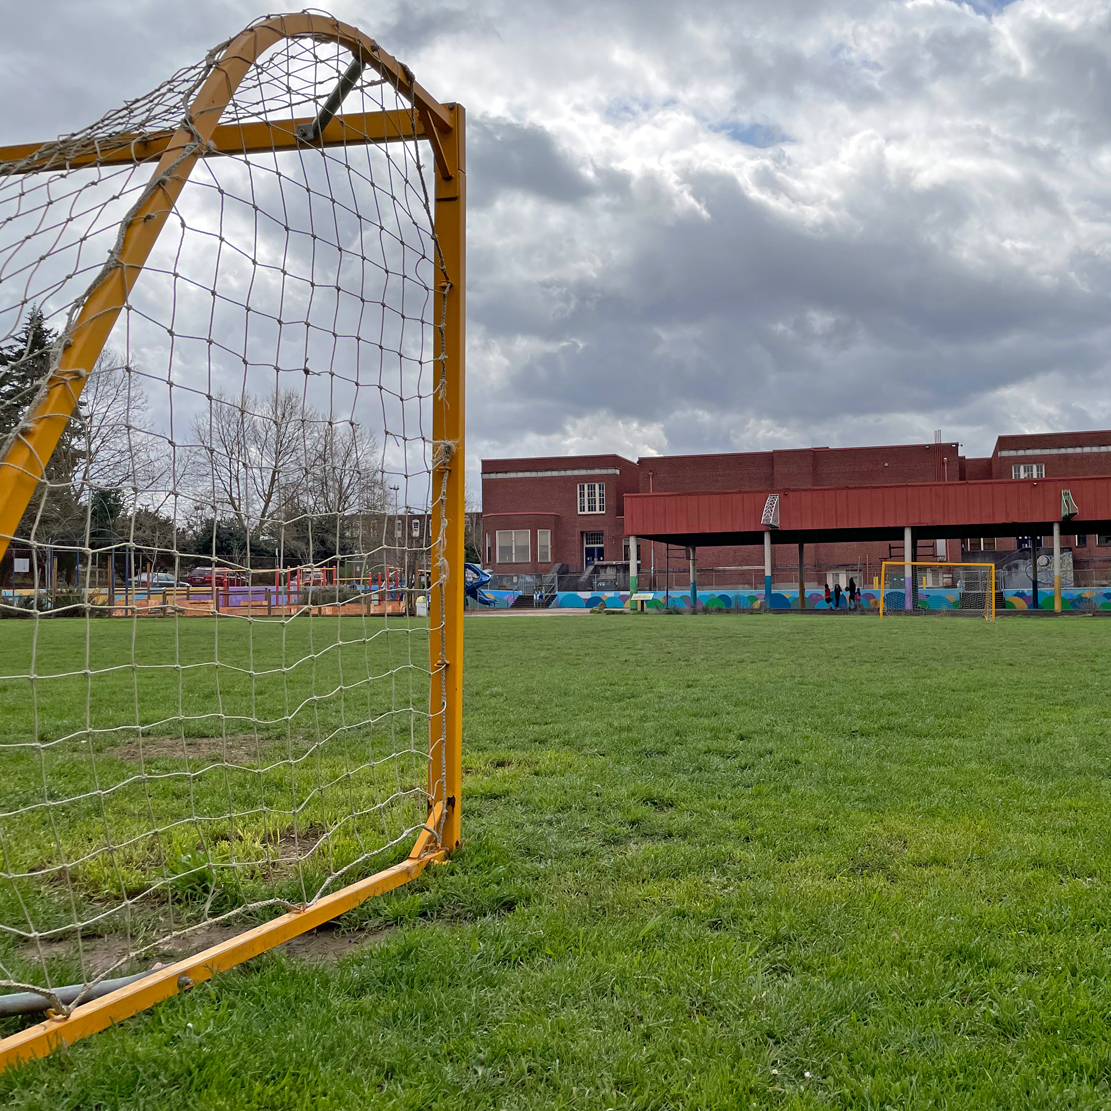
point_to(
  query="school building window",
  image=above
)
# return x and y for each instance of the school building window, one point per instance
(594, 547)
(513, 545)
(592, 497)
(543, 545)
(1028, 470)
(1081, 539)
(487, 547)
(1104, 541)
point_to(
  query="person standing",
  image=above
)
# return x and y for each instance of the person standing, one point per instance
(852, 594)
(837, 596)
(829, 599)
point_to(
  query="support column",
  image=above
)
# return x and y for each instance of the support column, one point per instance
(802, 575)
(632, 565)
(1035, 604)
(768, 570)
(908, 570)
(693, 554)
(1057, 567)
(445, 598)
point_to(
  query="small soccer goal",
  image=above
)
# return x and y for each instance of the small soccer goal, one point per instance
(938, 588)
(231, 520)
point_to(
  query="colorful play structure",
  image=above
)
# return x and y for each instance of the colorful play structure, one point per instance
(474, 579)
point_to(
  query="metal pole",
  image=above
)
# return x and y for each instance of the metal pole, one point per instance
(802, 576)
(908, 570)
(693, 554)
(632, 565)
(446, 599)
(768, 570)
(1034, 573)
(1057, 567)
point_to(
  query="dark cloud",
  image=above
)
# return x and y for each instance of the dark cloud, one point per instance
(503, 155)
(722, 225)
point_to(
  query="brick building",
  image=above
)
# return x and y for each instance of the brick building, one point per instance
(565, 514)
(538, 513)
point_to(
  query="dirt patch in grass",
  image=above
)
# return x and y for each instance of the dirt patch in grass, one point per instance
(236, 747)
(99, 954)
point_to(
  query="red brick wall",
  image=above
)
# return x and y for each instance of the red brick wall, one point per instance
(800, 469)
(976, 470)
(552, 502)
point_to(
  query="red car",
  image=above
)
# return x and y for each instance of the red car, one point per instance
(204, 576)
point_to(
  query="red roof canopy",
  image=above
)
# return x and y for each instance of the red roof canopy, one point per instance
(1003, 507)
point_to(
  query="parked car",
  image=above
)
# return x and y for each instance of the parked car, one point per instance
(221, 576)
(157, 580)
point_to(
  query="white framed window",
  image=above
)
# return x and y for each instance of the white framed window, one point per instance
(594, 548)
(487, 547)
(1028, 470)
(513, 545)
(592, 497)
(543, 545)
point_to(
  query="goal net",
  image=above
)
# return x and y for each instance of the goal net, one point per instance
(230, 519)
(948, 588)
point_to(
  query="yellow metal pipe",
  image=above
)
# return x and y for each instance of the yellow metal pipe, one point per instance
(448, 406)
(90, 1018)
(263, 137)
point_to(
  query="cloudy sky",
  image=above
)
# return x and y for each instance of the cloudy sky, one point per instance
(727, 226)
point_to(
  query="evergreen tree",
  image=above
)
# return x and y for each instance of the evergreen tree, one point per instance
(25, 364)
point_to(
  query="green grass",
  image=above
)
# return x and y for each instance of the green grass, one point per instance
(196, 767)
(709, 862)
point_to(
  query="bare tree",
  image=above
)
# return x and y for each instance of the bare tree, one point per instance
(252, 452)
(275, 466)
(344, 474)
(119, 450)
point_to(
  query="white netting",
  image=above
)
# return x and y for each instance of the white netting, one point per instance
(215, 679)
(938, 588)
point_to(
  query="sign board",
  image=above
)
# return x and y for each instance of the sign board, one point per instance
(21, 565)
(770, 516)
(1069, 508)
(642, 596)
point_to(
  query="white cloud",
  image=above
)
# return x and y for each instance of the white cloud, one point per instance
(714, 226)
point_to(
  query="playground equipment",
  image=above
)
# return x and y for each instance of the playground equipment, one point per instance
(474, 579)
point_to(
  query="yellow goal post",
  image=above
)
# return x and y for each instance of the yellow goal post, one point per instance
(231, 519)
(937, 587)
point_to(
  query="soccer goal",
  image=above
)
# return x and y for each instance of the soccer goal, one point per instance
(231, 520)
(950, 588)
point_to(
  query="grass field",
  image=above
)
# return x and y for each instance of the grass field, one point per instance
(161, 773)
(709, 862)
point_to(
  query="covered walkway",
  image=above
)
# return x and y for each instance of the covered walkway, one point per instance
(906, 512)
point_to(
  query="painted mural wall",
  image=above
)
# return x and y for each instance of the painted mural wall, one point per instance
(1072, 598)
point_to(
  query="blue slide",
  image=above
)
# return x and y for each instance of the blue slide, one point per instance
(474, 579)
